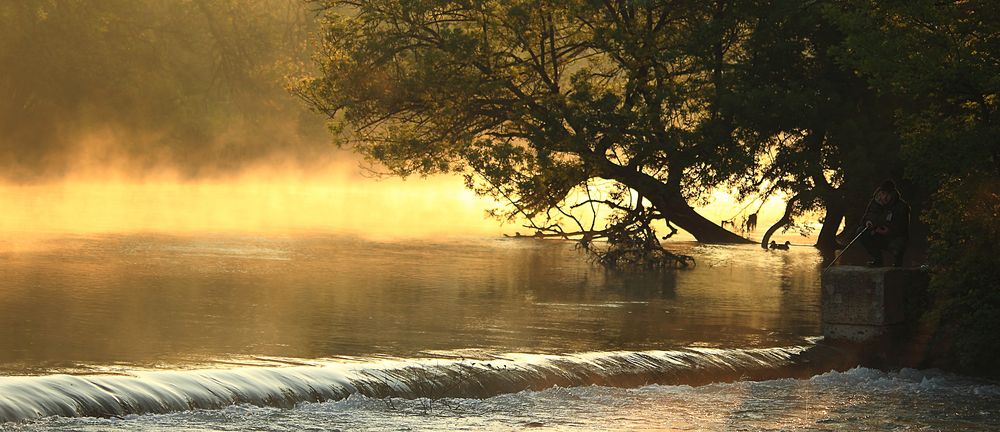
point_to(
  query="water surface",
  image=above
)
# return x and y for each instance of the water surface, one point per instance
(74, 304)
(321, 332)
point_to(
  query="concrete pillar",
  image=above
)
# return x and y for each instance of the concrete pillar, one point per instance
(861, 304)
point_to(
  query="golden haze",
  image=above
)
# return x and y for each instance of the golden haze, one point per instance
(108, 196)
(256, 200)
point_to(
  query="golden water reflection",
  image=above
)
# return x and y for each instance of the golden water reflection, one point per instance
(178, 301)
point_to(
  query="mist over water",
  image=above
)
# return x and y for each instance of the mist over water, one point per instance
(263, 201)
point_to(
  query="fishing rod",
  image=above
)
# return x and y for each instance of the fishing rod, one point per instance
(846, 248)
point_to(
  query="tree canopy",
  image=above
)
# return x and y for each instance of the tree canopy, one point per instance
(551, 106)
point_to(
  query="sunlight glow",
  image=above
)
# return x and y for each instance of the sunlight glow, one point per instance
(256, 200)
(104, 194)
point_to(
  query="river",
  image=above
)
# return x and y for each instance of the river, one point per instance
(322, 332)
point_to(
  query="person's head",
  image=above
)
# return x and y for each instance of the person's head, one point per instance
(886, 193)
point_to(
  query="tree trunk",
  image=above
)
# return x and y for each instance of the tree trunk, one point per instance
(831, 223)
(851, 221)
(785, 220)
(667, 199)
(681, 214)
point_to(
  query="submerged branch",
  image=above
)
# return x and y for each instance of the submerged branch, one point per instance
(632, 257)
(633, 245)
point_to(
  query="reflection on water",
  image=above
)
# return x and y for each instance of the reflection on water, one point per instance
(96, 303)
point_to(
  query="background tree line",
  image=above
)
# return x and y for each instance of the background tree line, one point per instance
(638, 109)
(194, 85)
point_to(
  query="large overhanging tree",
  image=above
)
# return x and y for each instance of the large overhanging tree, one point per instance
(552, 107)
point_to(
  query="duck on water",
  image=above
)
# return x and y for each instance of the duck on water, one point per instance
(783, 246)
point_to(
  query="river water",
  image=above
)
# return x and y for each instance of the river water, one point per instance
(322, 332)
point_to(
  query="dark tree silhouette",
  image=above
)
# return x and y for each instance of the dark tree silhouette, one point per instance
(557, 108)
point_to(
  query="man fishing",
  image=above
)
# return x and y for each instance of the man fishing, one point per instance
(886, 225)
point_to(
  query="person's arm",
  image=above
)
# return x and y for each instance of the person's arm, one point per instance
(866, 218)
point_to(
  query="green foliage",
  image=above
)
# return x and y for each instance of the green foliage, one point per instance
(942, 59)
(965, 249)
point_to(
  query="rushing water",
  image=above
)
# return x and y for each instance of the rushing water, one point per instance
(322, 332)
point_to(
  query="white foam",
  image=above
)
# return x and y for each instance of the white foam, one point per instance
(167, 391)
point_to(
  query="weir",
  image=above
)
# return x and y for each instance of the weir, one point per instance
(33, 397)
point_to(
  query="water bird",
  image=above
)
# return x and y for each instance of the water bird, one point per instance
(784, 246)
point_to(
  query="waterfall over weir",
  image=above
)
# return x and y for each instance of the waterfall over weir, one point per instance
(30, 397)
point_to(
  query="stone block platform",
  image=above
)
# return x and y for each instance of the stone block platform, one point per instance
(861, 304)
